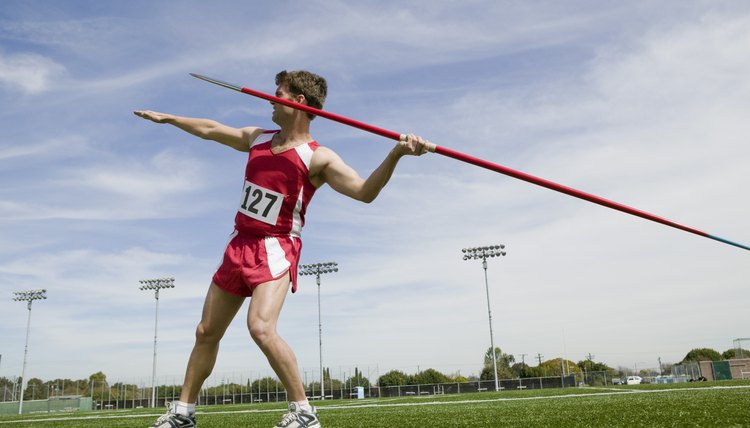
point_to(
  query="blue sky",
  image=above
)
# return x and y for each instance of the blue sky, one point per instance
(643, 103)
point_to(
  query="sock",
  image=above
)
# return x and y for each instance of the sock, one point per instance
(185, 409)
(304, 405)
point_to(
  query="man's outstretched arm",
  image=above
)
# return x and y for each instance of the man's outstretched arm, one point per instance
(344, 179)
(236, 138)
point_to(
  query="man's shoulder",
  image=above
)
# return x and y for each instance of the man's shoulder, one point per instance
(256, 136)
(321, 158)
(323, 153)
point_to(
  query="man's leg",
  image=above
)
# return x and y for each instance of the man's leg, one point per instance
(263, 314)
(262, 317)
(219, 309)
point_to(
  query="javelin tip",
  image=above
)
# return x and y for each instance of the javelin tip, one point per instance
(217, 82)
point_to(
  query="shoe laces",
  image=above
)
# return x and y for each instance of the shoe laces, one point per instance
(288, 419)
(165, 417)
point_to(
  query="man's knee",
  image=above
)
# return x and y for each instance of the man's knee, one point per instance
(205, 334)
(261, 332)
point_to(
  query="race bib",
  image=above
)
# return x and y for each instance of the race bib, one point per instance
(260, 203)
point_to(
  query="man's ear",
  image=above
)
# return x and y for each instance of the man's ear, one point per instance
(301, 99)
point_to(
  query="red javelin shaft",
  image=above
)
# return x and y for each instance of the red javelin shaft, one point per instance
(474, 161)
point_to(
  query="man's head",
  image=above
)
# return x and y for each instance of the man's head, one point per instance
(300, 82)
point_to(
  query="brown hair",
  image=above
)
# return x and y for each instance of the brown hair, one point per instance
(312, 86)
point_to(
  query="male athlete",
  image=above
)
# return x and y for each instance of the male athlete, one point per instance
(284, 169)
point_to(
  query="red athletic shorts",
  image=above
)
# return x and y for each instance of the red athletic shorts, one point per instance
(250, 261)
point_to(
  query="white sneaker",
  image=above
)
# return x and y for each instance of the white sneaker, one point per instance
(173, 420)
(299, 418)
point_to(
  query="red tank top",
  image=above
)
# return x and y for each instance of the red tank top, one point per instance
(277, 189)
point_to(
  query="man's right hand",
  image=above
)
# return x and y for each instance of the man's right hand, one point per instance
(153, 116)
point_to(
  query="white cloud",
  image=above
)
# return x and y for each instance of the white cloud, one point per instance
(109, 189)
(164, 175)
(29, 72)
(53, 147)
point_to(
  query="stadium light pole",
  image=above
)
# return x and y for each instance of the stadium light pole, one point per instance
(156, 285)
(27, 296)
(318, 269)
(484, 253)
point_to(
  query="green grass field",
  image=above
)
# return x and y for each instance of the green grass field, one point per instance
(710, 404)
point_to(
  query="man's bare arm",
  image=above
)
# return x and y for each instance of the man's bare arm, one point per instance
(236, 138)
(345, 180)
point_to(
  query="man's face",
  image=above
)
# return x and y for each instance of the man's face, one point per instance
(281, 111)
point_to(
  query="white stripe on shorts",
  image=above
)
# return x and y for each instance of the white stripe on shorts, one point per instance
(296, 218)
(277, 262)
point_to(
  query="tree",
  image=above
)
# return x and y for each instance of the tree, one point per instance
(503, 360)
(527, 372)
(98, 385)
(488, 373)
(392, 378)
(98, 377)
(460, 379)
(593, 366)
(329, 385)
(357, 380)
(35, 390)
(59, 387)
(555, 367)
(8, 388)
(267, 384)
(523, 370)
(702, 354)
(430, 376)
(128, 391)
(731, 354)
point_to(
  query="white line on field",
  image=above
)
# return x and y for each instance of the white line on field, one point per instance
(610, 389)
(427, 403)
(492, 400)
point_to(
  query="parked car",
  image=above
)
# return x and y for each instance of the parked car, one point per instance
(617, 381)
(633, 380)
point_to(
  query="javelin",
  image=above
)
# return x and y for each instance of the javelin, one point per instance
(473, 160)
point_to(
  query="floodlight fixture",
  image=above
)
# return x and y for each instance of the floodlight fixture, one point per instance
(318, 269)
(156, 284)
(483, 253)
